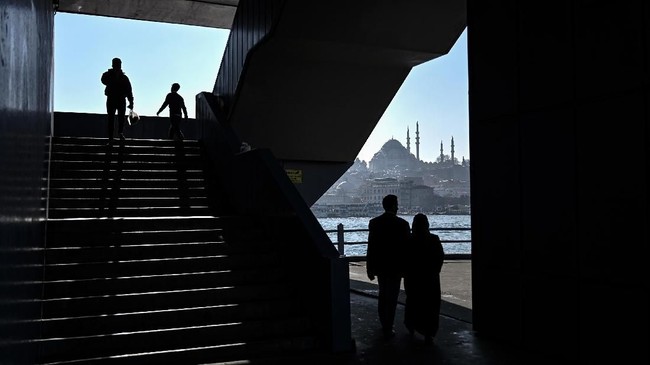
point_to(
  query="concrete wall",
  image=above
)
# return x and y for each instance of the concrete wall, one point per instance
(26, 29)
(95, 125)
(559, 96)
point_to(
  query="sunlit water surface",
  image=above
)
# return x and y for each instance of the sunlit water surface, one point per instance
(437, 222)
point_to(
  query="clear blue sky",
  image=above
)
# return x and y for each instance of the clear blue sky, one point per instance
(155, 55)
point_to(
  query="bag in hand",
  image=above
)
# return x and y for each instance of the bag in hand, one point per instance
(133, 118)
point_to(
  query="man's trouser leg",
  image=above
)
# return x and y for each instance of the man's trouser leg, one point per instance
(175, 127)
(121, 115)
(389, 287)
(110, 118)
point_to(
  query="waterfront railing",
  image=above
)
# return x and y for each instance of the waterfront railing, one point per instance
(341, 242)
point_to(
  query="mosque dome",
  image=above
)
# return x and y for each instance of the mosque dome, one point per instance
(392, 155)
(393, 145)
(391, 149)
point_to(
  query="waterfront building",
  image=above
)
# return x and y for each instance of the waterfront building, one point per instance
(422, 198)
(451, 188)
(373, 191)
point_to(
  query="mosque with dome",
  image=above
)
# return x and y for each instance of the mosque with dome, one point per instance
(393, 156)
(441, 186)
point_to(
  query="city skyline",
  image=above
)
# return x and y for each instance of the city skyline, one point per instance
(155, 55)
(448, 149)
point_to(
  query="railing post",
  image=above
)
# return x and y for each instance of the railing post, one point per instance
(340, 237)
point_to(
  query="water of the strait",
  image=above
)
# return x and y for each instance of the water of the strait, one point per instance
(437, 223)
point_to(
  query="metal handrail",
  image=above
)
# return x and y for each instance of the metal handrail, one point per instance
(341, 242)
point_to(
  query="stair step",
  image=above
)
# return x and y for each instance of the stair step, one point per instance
(139, 284)
(112, 209)
(133, 224)
(62, 149)
(179, 182)
(112, 172)
(90, 141)
(94, 325)
(117, 193)
(161, 319)
(289, 350)
(63, 255)
(177, 338)
(150, 301)
(188, 149)
(130, 202)
(116, 158)
(151, 235)
(99, 253)
(131, 147)
(244, 352)
(125, 165)
(115, 269)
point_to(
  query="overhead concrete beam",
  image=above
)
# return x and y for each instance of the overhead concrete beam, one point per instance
(205, 13)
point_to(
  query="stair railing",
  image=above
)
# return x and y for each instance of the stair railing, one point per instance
(257, 186)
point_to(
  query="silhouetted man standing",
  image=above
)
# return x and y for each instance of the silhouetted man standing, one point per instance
(118, 89)
(387, 235)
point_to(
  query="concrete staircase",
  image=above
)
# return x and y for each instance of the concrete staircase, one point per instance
(144, 264)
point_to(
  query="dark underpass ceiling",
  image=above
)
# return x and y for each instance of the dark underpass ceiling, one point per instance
(206, 13)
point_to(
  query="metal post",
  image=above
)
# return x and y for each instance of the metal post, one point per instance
(340, 235)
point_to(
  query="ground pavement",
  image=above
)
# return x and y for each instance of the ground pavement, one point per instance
(455, 343)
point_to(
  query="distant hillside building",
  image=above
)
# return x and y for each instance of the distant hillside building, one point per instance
(422, 198)
(410, 194)
(373, 191)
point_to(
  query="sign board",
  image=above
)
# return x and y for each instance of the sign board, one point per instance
(294, 175)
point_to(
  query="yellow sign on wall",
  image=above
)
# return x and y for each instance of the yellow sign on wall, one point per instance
(294, 175)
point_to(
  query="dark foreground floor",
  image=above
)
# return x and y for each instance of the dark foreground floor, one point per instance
(456, 343)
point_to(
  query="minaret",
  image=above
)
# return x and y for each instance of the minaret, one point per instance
(417, 141)
(408, 140)
(452, 150)
(442, 154)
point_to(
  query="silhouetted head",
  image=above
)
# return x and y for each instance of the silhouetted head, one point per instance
(390, 203)
(420, 224)
(175, 87)
(117, 63)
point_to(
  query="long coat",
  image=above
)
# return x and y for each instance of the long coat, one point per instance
(387, 237)
(424, 259)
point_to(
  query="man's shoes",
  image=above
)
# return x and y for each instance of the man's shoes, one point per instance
(389, 334)
(411, 333)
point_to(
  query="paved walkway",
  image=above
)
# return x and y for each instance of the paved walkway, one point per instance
(455, 282)
(455, 343)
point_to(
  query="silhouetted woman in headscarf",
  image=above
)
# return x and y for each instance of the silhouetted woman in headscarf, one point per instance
(424, 258)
